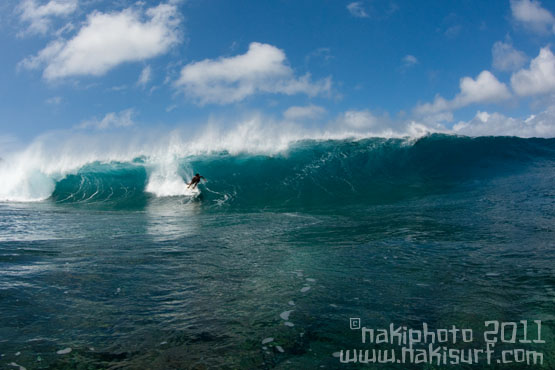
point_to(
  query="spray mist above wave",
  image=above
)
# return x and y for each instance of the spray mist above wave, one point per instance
(31, 174)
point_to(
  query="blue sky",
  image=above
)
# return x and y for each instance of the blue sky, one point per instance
(469, 67)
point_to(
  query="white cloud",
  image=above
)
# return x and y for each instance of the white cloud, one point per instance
(357, 9)
(145, 76)
(484, 89)
(355, 119)
(533, 16)
(506, 57)
(485, 124)
(409, 61)
(109, 39)
(40, 17)
(263, 68)
(539, 78)
(306, 112)
(110, 120)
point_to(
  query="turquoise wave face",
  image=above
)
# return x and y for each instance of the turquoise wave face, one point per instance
(113, 184)
(318, 174)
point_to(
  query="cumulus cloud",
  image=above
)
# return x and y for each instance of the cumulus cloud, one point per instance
(539, 78)
(357, 9)
(533, 16)
(39, 17)
(306, 112)
(110, 120)
(496, 124)
(484, 89)
(109, 39)
(262, 69)
(506, 57)
(145, 76)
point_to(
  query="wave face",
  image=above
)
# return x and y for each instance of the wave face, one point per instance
(308, 174)
(122, 183)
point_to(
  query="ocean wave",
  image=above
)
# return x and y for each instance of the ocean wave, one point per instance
(303, 173)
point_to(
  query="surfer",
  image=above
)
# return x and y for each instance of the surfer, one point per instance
(195, 180)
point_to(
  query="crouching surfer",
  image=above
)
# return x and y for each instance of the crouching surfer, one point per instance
(195, 180)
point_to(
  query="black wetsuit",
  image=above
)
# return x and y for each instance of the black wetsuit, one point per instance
(195, 180)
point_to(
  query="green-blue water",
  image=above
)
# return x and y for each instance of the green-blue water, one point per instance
(444, 230)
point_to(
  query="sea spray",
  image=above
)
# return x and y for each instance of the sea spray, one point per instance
(166, 178)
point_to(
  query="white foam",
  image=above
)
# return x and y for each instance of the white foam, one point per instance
(285, 315)
(267, 340)
(288, 323)
(165, 180)
(17, 365)
(279, 348)
(291, 303)
(305, 289)
(64, 351)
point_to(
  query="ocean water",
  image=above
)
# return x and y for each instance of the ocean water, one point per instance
(116, 264)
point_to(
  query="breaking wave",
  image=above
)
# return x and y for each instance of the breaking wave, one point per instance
(278, 173)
